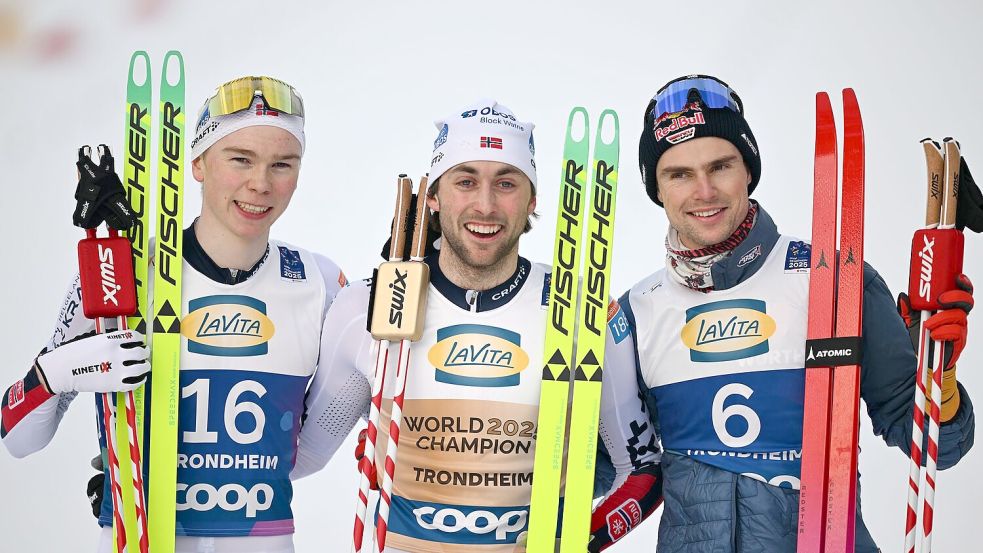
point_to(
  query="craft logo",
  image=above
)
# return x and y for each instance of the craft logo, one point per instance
(478, 355)
(491, 142)
(441, 138)
(227, 326)
(749, 143)
(750, 256)
(727, 330)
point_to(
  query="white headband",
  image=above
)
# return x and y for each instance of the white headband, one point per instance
(212, 129)
(485, 131)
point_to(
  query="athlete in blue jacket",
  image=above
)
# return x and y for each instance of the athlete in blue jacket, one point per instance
(720, 334)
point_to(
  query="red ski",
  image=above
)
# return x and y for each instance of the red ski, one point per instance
(827, 504)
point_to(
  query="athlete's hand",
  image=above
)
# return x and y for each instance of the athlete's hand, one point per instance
(360, 454)
(93, 490)
(949, 323)
(113, 362)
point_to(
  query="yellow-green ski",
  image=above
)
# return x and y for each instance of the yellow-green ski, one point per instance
(558, 348)
(136, 177)
(591, 334)
(166, 327)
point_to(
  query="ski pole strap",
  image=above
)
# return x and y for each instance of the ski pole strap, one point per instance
(833, 352)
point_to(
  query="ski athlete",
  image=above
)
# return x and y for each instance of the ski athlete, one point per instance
(242, 392)
(729, 410)
(466, 446)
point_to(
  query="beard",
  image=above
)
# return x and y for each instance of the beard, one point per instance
(471, 258)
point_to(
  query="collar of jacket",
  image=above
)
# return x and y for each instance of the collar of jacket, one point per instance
(749, 255)
(479, 300)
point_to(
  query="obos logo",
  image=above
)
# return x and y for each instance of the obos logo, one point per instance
(227, 325)
(727, 330)
(478, 355)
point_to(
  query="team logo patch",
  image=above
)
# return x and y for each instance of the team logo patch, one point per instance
(478, 355)
(797, 257)
(727, 330)
(291, 265)
(617, 322)
(679, 122)
(624, 518)
(750, 256)
(16, 394)
(441, 138)
(227, 326)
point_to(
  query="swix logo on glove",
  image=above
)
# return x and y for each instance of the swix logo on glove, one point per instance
(106, 277)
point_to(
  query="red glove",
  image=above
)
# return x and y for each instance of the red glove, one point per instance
(949, 324)
(360, 457)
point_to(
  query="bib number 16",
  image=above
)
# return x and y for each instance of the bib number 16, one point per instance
(200, 389)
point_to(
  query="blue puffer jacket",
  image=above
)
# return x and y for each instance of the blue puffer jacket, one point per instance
(708, 509)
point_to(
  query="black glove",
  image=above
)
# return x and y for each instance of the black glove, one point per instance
(95, 487)
(100, 195)
(969, 206)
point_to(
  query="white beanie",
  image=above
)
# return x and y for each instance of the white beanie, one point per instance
(485, 131)
(212, 129)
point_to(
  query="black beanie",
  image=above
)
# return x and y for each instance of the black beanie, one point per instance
(696, 120)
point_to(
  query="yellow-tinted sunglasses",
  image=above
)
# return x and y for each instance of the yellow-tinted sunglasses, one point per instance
(237, 95)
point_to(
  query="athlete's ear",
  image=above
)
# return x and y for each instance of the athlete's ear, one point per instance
(532, 205)
(198, 168)
(433, 203)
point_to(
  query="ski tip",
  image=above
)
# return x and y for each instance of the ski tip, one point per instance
(172, 72)
(849, 97)
(608, 127)
(143, 77)
(578, 132)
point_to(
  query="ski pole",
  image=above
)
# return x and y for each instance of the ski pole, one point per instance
(413, 331)
(935, 260)
(381, 347)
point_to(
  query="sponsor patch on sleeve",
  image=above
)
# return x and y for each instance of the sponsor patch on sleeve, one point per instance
(291, 266)
(342, 279)
(546, 289)
(797, 257)
(617, 321)
(16, 394)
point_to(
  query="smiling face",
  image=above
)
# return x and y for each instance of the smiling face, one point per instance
(248, 178)
(703, 185)
(484, 207)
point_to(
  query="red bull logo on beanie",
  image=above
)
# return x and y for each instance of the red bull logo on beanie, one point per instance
(227, 326)
(478, 355)
(678, 123)
(727, 330)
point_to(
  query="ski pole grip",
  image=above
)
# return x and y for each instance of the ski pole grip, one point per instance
(404, 195)
(419, 246)
(106, 277)
(400, 300)
(936, 261)
(935, 163)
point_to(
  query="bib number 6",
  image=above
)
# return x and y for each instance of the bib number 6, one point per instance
(721, 415)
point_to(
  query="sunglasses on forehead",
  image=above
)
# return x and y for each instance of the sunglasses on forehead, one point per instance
(238, 94)
(679, 93)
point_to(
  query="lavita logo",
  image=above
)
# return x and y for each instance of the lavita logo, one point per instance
(107, 272)
(227, 325)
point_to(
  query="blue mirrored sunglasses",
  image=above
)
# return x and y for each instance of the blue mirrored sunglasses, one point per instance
(675, 96)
